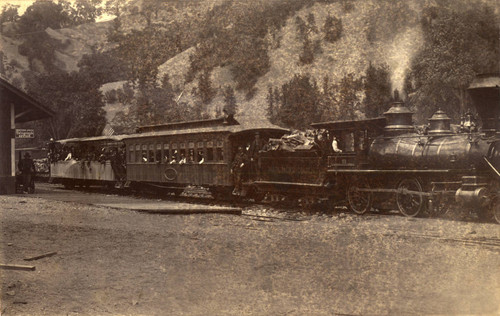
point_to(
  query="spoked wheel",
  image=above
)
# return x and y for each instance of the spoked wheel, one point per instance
(495, 202)
(441, 206)
(495, 207)
(359, 201)
(410, 201)
(306, 201)
(491, 211)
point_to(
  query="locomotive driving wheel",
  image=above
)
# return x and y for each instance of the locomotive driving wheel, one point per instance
(359, 201)
(409, 198)
(495, 202)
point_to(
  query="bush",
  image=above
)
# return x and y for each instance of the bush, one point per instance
(14, 63)
(307, 55)
(347, 6)
(332, 29)
(111, 96)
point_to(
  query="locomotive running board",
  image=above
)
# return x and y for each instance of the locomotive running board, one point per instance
(310, 185)
(290, 187)
(401, 191)
(389, 171)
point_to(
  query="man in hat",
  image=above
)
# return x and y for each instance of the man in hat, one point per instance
(239, 170)
(27, 168)
(52, 151)
(335, 145)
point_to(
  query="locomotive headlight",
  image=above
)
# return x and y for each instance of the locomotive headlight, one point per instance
(453, 158)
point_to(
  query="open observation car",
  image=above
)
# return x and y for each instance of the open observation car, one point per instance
(87, 161)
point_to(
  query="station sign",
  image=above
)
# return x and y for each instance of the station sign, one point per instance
(25, 133)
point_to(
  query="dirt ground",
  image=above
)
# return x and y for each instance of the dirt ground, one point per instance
(118, 262)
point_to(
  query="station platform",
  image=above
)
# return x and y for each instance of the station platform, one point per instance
(57, 193)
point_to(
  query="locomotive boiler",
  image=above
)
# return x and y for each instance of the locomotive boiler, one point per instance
(435, 148)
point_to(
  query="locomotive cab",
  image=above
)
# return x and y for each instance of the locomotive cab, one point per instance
(353, 140)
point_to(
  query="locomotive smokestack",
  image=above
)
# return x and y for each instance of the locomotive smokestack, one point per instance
(399, 118)
(396, 95)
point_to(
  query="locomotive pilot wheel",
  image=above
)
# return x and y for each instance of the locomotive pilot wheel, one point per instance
(496, 210)
(359, 201)
(410, 201)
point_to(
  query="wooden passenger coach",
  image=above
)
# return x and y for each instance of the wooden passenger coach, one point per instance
(200, 153)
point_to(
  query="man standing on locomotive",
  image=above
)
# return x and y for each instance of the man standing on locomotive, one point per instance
(27, 168)
(239, 169)
(335, 145)
(253, 155)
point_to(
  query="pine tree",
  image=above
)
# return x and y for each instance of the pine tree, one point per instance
(307, 55)
(230, 105)
(377, 88)
(300, 103)
(205, 90)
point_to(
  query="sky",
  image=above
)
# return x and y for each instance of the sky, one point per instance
(23, 4)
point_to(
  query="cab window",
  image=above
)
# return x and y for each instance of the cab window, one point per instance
(131, 153)
(158, 153)
(137, 153)
(210, 151)
(151, 153)
(144, 154)
(220, 150)
(166, 153)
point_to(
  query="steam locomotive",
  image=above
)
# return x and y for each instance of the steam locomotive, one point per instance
(386, 162)
(389, 163)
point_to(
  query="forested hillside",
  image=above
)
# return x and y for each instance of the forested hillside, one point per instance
(290, 61)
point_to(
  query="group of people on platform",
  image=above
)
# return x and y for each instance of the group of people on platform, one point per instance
(88, 153)
(83, 152)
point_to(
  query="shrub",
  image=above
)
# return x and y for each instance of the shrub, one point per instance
(332, 29)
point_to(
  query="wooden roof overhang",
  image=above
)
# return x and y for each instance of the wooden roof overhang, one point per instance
(188, 124)
(26, 108)
(114, 138)
(229, 129)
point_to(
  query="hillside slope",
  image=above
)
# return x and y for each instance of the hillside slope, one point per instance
(374, 32)
(351, 54)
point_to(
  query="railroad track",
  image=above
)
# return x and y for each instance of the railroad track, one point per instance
(284, 212)
(483, 241)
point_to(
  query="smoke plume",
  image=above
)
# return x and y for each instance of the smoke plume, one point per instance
(400, 53)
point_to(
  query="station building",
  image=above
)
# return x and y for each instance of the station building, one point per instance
(15, 107)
